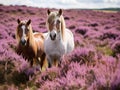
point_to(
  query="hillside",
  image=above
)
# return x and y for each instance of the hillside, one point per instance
(93, 65)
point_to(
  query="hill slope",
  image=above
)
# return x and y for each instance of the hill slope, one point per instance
(94, 63)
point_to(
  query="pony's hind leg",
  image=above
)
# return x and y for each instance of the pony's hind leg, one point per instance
(49, 63)
(43, 62)
(59, 63)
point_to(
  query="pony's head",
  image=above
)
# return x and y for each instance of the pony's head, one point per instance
(55, 24)
(23, 31)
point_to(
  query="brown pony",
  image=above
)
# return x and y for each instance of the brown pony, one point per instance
(30, 45)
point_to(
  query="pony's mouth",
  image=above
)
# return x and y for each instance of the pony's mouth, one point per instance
(53, 39)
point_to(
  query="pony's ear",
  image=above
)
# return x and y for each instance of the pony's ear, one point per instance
(29, 21)
(48, 11)
(60, 12)
(18, 21)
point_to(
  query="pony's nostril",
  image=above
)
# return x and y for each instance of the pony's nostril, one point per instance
(54, 36)
(50, 36)
(23, 42)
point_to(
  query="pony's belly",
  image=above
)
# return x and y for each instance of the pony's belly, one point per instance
(55, 51)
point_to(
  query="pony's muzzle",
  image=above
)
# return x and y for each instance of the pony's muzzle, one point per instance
(53, 36)
(23, 41)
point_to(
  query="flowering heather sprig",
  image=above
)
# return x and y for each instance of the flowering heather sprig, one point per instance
(83, 55)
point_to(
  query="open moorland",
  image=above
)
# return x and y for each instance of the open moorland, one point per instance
(94, 64)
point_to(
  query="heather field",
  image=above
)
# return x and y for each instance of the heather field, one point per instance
(94, 64)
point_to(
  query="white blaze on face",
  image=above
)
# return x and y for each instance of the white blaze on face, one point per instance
(23, 28)
(53, 32)
(55, 22)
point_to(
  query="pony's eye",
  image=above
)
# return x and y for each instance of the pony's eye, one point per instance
(27, 28)
(58, 21)
(26, 31)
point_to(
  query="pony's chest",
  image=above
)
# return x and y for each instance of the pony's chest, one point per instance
(55, 49)
(27, 52)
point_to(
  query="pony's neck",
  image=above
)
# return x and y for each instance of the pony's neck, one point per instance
(31, 37)
(32, 42)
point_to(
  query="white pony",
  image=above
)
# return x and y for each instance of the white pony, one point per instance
(59, 40)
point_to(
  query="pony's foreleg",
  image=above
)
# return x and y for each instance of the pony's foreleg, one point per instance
(49, 62)
(35, 61)
(31, 62)
(60, 60)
